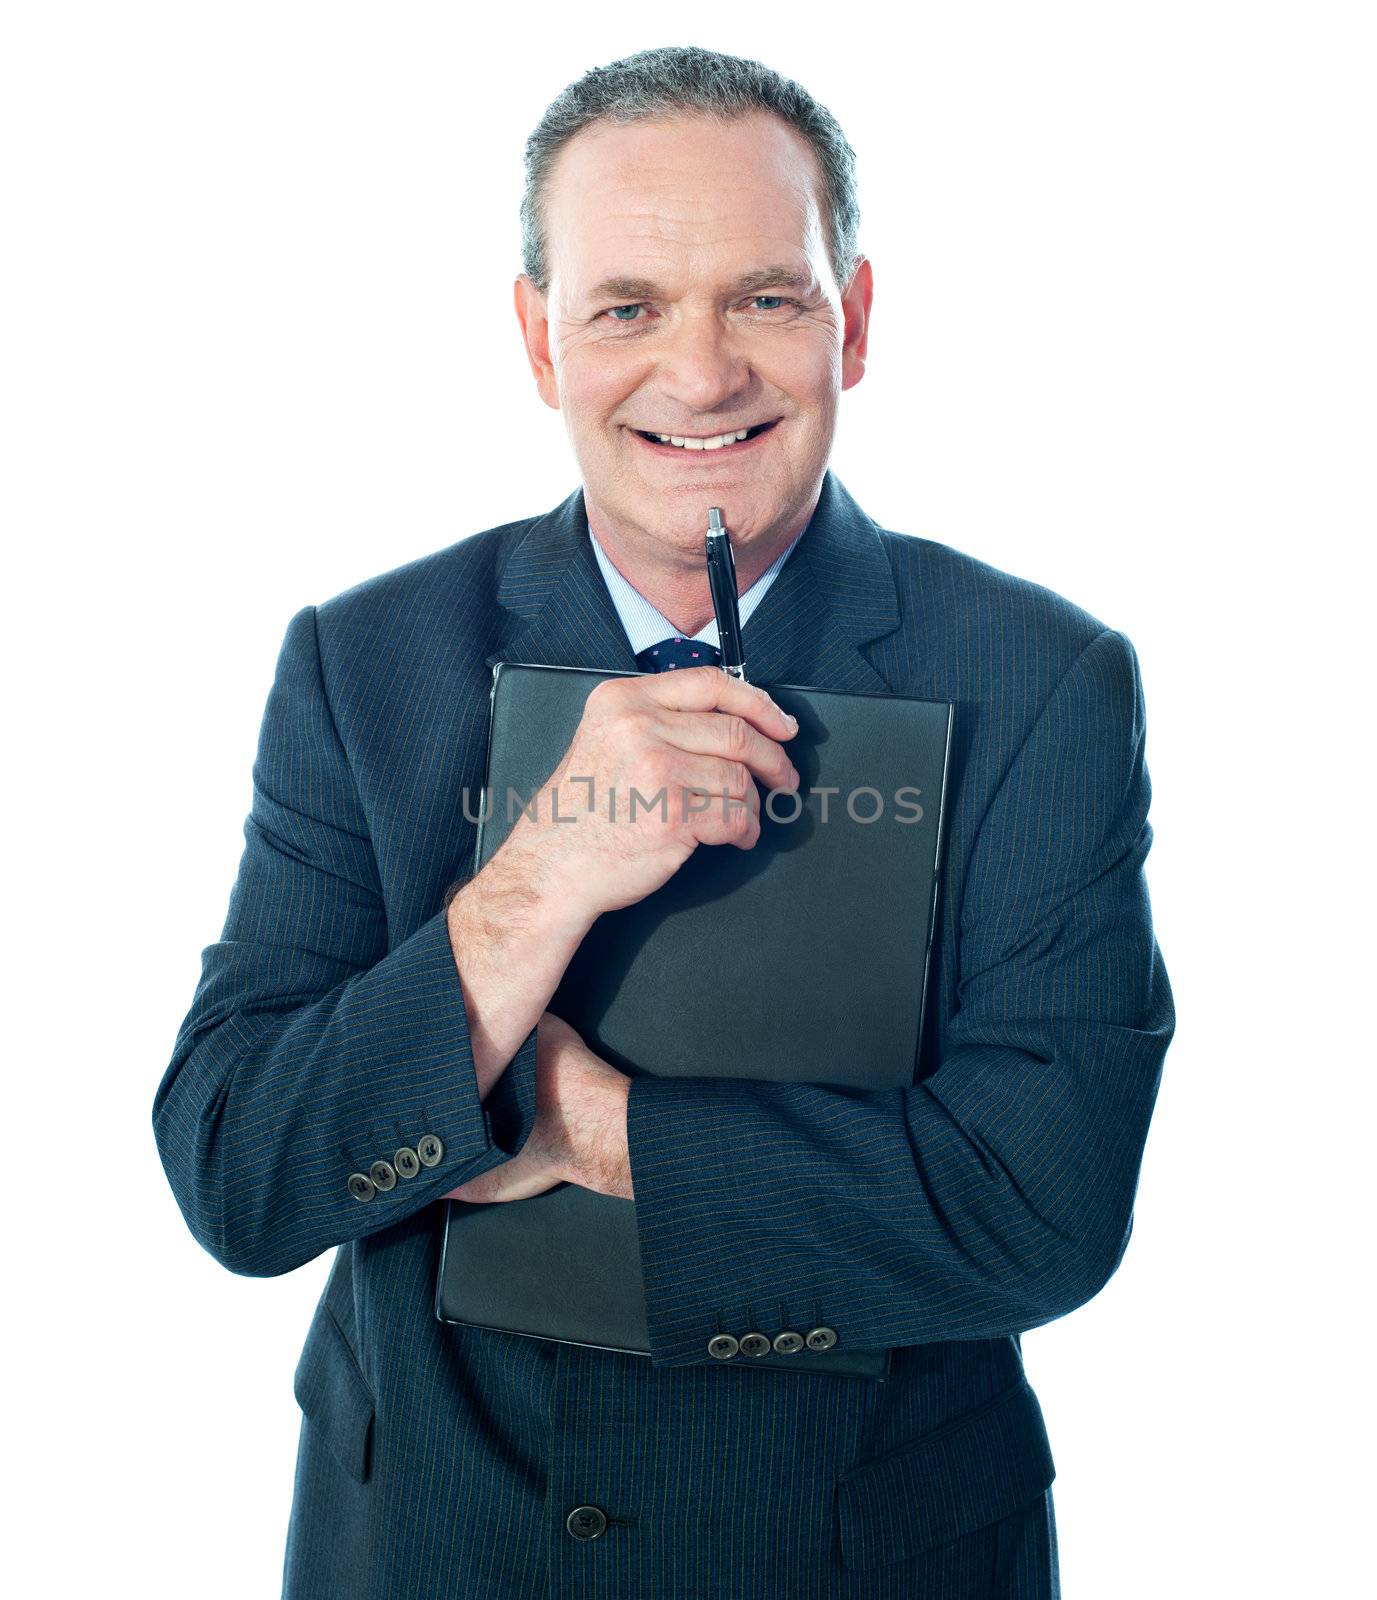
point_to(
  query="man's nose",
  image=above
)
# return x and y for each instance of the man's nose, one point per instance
(702, 364)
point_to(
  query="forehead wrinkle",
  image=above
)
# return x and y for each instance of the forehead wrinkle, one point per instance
(661, 217)
(646, 167)
(763, 262)
(767, 233)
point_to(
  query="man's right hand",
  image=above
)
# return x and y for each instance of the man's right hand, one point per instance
(682, 740)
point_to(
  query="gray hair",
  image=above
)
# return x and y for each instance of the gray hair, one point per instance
(688, 80)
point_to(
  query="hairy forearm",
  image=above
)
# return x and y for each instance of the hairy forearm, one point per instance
(604, 1162)
(513, 929)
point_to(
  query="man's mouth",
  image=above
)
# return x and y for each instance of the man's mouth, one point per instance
(680, 444)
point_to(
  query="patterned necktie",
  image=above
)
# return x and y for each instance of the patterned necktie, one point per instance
(679, 652)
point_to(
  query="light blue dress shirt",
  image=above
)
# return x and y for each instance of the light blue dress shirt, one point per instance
(646, 626)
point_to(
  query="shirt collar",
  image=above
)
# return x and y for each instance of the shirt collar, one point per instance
(645, 625)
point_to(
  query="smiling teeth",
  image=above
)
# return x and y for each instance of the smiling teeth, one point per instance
(715, 443)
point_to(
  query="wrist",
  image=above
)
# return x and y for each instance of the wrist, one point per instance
(597, 1157)
(557, 890)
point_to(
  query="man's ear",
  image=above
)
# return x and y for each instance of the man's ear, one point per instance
(856, 323)
(532, 314)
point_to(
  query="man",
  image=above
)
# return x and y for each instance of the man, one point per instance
(363, 1043)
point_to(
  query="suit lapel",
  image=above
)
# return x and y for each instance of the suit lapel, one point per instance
(558, 610)
(833, 595)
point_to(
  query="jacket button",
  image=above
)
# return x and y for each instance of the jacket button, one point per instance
(754, 1344)
(429, 1150)
(361, 1186)
(821, 1338)
(382, 1175)
(586, 1522)
(407, 1162)
(788, 1341)
(723, 1346)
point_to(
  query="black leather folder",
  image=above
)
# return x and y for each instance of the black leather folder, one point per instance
(803, 959)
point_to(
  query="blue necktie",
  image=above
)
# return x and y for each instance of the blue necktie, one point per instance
(678, 652)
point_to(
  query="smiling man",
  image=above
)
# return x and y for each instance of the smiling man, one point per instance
(685, 295)
(370, 1035)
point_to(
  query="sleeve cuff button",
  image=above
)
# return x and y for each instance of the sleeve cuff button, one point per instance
(429, 1150)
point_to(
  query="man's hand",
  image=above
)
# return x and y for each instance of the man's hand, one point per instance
(579, 1134)
(690, 743)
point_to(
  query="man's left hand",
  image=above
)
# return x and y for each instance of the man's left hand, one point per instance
(579, 1135)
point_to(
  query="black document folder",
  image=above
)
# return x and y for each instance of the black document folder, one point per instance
(803, 959)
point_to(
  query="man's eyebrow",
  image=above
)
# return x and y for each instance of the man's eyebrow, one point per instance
(624, 289)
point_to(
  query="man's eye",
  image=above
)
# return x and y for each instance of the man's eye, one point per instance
(615, 311)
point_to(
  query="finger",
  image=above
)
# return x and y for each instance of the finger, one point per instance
(687, 771)
(512, 1180)
(732, 738)
(719, 803)
(710, 689)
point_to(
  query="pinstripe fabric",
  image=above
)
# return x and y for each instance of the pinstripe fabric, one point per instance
(328, 1029)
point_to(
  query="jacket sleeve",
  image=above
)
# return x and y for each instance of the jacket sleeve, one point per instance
(313, 1049)
(997, 1195)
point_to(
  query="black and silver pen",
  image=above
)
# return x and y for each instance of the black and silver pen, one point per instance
(722, 582)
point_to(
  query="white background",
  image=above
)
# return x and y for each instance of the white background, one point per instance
(258, 345)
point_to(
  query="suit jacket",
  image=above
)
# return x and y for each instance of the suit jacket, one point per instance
(328, 1030)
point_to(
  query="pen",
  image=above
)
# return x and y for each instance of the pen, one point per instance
(722, 582)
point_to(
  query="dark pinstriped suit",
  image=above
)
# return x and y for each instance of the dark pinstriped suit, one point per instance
(328, 1030)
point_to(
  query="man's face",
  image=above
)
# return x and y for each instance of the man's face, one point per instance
(672, 245)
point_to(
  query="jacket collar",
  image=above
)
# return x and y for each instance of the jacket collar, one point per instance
(833, 595)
